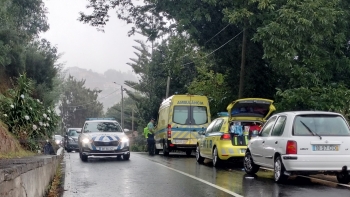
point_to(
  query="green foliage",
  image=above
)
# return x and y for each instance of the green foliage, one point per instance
(21, 21)
(306, 41)
(129, 106)
(329, 98)
(214, 86)
(78, 103)
(27, 117)
(299, 47)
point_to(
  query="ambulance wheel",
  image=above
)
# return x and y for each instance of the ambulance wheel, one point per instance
(165, 151)
(216, 159)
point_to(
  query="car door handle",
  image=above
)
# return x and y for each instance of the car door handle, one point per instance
(263, 142)
(276, 142)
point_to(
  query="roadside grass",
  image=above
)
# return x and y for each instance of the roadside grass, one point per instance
(17, 154)
(55, 189)
(9, 145)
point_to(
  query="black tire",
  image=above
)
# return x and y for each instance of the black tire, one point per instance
(279, 170)
(165, 151)
(188, 152)
(249, 166)
(84, 158)
(343, 177)
(126, 157)
(216, 159)
(69, 150)
(199, 158)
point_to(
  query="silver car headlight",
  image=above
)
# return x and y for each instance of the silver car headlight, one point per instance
(86, 140)
(58, 141)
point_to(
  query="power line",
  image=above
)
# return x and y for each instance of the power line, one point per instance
(92, 101)
(217, 34)
(206, 41)
(216, 48)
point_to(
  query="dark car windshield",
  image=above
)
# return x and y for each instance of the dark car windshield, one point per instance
(323, 125)
(73, 133)
(93, 127)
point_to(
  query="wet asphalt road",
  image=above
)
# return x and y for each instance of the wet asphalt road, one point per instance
(180, 175)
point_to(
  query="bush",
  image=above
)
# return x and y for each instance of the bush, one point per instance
(27, 118)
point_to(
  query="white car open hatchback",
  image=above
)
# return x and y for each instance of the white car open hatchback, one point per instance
(301, 142)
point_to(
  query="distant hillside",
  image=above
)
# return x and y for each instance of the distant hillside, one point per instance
(103, 82)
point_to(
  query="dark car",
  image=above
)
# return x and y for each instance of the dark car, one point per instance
(71, 139)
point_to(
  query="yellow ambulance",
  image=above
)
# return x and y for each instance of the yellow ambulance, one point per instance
(180, 118)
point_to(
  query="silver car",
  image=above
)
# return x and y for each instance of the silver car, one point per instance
(103, 137)
(302, 142)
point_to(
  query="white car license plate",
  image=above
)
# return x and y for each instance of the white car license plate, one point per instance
(243, 150)
(107, 148)
(180, 141)
(325, 148)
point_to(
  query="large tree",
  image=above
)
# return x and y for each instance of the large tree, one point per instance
(207, 24)
(79, 103)
(307, 44)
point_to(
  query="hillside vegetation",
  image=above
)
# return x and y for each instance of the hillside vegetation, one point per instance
(10, 146)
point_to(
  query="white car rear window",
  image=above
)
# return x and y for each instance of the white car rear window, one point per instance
(323, 125)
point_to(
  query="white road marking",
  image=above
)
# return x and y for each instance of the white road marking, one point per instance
(203, 181)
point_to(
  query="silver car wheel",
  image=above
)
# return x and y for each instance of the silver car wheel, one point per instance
(278, 168)
(248, 163)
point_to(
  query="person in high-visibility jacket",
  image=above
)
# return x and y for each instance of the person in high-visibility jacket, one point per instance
(149, 134)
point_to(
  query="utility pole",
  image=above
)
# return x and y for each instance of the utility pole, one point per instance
(122, 109)
(244, 48)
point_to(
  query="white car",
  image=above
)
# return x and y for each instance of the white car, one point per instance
(103, 137)
(301, 142)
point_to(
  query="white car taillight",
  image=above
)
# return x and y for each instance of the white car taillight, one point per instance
(292, 147)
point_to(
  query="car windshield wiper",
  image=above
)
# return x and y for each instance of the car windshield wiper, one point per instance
(313, 133)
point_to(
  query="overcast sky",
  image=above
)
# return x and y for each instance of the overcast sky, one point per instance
(82, 45)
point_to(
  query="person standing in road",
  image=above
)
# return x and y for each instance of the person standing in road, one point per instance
(150, 137)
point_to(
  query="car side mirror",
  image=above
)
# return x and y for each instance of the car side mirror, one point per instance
(201, 132)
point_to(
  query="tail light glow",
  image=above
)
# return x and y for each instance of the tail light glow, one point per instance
(292, 147)
(169, 131)
(225, 136)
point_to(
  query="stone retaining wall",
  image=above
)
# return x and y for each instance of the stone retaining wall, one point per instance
(27, 177)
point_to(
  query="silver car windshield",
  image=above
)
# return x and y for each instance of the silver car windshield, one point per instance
(93, 127)
(323, 125)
